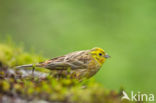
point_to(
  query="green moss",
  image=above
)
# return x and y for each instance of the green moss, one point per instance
(66, 90)
(13, 56)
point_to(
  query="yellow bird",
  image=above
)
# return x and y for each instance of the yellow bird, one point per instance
(79, 64)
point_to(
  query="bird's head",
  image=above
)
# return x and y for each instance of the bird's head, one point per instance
(99, 55)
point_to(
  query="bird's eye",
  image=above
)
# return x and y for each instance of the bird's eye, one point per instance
(100, 54)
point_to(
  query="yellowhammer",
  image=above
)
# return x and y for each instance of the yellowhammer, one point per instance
(79, 64)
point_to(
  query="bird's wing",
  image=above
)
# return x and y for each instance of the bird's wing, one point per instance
(75, 60)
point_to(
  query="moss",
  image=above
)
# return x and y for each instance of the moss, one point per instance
(13, 56)
(48, 88)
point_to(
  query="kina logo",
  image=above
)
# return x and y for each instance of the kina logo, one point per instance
(138, 97)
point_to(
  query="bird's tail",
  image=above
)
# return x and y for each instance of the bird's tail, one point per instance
(26, 66)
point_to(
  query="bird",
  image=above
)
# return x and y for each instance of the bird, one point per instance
(78, 64)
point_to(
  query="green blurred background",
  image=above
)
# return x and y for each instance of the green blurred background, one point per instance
(125, 29)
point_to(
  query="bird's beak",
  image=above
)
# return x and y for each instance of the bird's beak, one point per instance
(106, 56)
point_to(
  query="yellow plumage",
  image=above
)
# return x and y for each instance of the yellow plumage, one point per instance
(80, 64)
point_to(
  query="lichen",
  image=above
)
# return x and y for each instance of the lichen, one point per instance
(47, 88)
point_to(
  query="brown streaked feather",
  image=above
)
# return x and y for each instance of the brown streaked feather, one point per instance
(75, 60)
